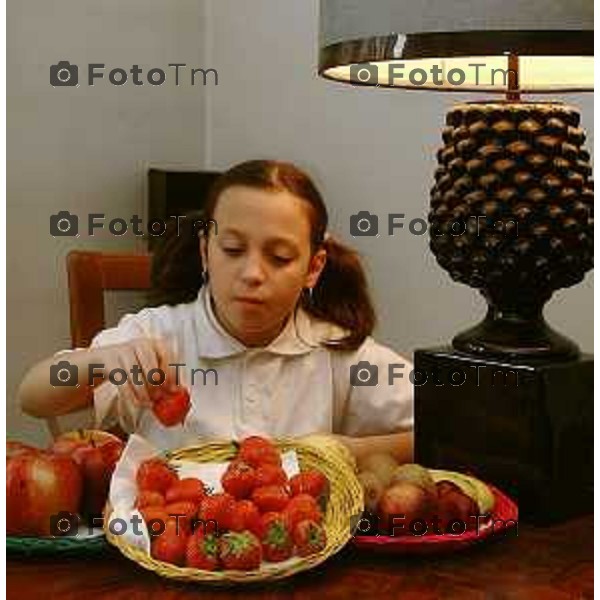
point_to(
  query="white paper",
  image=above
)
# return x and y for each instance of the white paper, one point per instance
(123, 487)
(211, 472)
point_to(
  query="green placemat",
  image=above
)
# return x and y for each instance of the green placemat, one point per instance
(56, 546)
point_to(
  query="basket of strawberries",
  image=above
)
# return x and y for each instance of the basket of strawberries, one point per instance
(280, 507)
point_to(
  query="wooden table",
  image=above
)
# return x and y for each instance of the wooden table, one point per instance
(549, 563)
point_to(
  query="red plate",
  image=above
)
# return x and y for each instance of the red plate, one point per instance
(504, 509)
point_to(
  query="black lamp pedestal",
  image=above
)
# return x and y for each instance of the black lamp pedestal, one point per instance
(524, 425)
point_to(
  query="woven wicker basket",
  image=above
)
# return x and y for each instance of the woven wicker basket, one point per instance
(315, 451)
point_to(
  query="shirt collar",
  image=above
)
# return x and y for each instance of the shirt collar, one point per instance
(299, 336)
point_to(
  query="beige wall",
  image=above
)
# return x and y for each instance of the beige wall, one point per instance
(84, 150)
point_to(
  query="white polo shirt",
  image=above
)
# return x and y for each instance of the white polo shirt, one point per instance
(293, 386)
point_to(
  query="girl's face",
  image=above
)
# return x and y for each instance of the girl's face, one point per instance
(259, 261)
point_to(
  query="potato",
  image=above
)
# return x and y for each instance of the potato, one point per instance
(380, 463)
(414, 473)
(372, 488)
(408, 499)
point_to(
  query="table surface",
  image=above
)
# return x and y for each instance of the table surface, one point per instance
(546, 563)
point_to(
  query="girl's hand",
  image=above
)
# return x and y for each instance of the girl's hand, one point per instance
(138, 358)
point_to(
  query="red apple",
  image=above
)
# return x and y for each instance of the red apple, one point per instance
(39, 485)
(13, 448)
(96, 453)
(96, 479)
(455, 505)
(66, 446)
(110, 444)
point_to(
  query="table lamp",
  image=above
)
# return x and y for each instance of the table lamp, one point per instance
(510, 215)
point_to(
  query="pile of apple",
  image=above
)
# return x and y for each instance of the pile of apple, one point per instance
(391, 489)
(260, 515)
(73, 475)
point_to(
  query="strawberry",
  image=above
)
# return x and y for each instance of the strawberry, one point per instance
(268, 474)
(155, 475)
(202, 551)
(240, 551)
(171, 545)
(233, 521)
(189, 488)
(149, 498)
(310, 482)
(257, 450)
(276, 540)
(183, 513)
(239, 479)
(155, 518)
(171, 409)
(309, 537)
(303, 507)
(271, 498)
(213, 512)
(250, 515)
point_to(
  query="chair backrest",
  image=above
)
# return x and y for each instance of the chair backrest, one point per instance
(90, 274)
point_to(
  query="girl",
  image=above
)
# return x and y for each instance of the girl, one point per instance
(268, 317)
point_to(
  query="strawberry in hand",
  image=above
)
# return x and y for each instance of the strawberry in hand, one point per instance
(171, 408)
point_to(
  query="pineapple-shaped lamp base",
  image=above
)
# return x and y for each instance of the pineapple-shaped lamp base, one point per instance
(511, 215)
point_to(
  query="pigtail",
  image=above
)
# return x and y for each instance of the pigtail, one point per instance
(341, 295)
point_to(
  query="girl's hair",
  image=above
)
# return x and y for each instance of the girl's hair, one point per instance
(341, 294)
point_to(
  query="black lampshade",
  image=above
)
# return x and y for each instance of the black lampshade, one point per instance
(553, 40)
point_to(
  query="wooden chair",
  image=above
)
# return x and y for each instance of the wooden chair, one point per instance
(90, 274)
